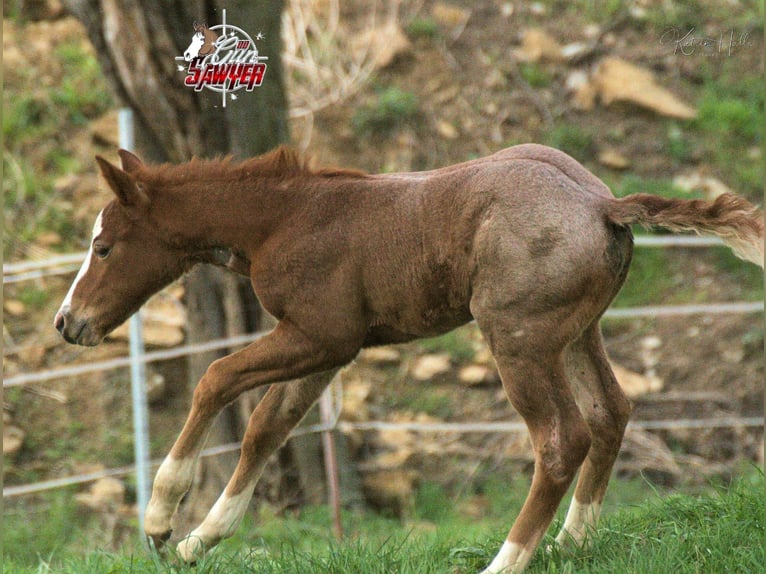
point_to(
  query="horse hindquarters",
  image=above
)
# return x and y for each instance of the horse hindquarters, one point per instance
(533, 312)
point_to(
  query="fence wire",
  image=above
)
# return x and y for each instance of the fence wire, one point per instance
(60, 265)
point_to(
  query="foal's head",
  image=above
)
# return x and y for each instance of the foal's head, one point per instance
(127, 262)
(202, 43)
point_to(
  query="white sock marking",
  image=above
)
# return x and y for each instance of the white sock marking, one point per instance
(221, 522)
(511, 559)
(170, 484)
(581, 517)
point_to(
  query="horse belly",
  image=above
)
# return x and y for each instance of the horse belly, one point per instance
(431, 304)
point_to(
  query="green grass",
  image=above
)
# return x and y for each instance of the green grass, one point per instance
(575, 140)
(536, 76)
(391, 109)
(423, 28)
(457, 343)
(38, 123)
(720, 530)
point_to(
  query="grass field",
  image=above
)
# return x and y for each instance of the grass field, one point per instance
(721, 530)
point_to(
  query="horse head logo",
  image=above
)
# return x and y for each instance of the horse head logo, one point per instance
(202, 44)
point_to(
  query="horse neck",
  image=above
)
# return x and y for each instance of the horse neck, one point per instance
(217, 212)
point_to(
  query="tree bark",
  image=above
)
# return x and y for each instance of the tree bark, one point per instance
(136, 43)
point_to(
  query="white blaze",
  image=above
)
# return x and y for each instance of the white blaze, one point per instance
(198, 40)
(97, 228)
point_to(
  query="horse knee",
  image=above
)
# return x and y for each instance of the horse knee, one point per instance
(609, 429)
(210, 393)
(563, 451)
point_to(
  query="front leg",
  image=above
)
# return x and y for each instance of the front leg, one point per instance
(280, 410)
(284, 354)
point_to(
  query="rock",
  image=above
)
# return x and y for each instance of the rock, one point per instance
(585, 97)
(156, 388)
(391, 460)
(395, 439)
(635, 384)
(380, 355)
(474, 374)
(483, 356)
(429, 366)
(574, 50)
(381, 44)
(48, 239)
(355, 395)
(614, 159)
(617, 80)
(391, 490)
(576, 79)
(447, 130)
(451, 18)
(537, 45)
(712, 187)
(105, 495)
(14, 307)
(13, 440)
(651, 343)
(732, 353)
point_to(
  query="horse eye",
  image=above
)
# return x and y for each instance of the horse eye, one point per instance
(102, 251)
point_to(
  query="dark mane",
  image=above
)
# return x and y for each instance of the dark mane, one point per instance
(282, 162)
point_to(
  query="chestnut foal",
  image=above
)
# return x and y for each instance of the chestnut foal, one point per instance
(526, 241)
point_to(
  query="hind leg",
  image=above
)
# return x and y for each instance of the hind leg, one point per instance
(606, 410)
(535, 381)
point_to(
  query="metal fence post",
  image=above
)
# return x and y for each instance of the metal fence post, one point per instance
(137, 366)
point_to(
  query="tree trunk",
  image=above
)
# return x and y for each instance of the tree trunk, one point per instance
(136, 43)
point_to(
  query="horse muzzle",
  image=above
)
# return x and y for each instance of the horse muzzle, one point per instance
(75, 331)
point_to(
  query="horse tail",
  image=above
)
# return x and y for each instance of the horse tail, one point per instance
(735, 220)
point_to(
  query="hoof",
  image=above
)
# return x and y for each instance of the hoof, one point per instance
(191, 549)
(159, 541)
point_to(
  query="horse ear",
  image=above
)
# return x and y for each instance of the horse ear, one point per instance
(124, 185)
(130, 161)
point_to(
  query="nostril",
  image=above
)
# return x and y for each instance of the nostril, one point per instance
(59, 322)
